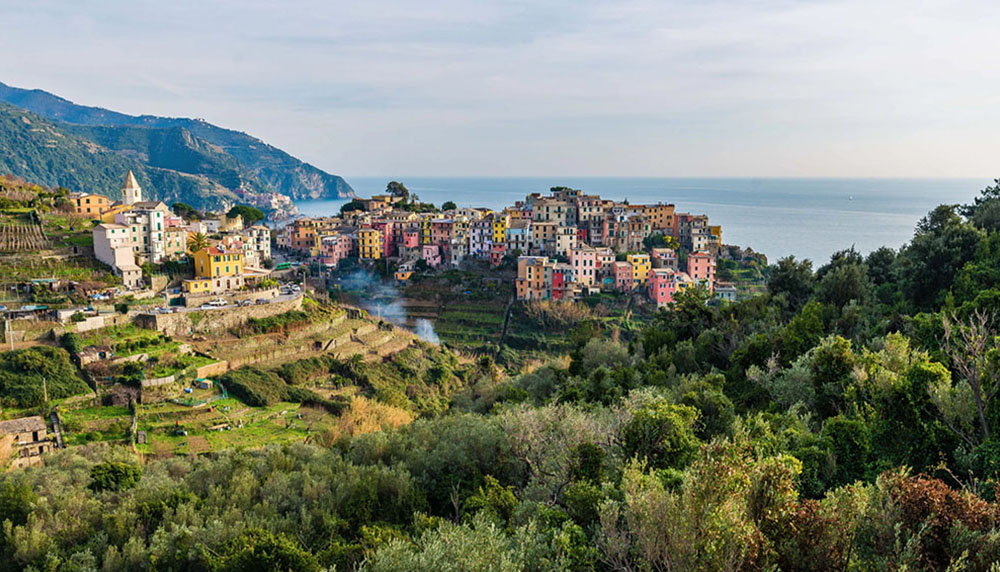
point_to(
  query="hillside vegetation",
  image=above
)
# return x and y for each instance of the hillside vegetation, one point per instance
(845, 419)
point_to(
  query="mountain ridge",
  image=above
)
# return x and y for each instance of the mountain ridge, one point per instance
(229, 159)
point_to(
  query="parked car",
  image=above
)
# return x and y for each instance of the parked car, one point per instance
(219, 302)
(206, 307)
(3, 308)
(263, 301)
(246, 302)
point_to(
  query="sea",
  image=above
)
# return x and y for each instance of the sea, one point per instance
(807, 218)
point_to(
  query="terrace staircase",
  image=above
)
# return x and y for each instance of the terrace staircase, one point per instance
(57, 428)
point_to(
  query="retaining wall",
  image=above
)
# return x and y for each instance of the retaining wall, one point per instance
(210, 321)
(195, 300)
(156, 381)
(212, 369)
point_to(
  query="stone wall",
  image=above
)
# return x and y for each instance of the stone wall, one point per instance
(212, 369)
(157, 381)
(195, 300)
(90, 323)
(210, 321)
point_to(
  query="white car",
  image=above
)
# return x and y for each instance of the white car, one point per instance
(218, 303)
(206, 307)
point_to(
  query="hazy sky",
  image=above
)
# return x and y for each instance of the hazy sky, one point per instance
(626, 87)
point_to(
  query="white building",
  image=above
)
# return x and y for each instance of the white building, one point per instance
(146, 227)
(113, 246)
(481, 237)
(256, 245)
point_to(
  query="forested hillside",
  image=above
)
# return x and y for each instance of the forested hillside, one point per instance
(845, 420)
(180, 159)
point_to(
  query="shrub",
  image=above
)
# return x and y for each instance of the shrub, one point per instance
(113, 476)
(22, 373)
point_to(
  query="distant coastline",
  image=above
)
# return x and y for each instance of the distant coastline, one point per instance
(810, 218)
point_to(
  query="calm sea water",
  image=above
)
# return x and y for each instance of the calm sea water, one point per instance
(810, 218)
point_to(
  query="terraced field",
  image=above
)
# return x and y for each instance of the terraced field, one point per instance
(21, 234)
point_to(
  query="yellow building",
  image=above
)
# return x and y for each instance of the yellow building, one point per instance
(370, 244)
(213, 262)
(108, 214)
(716, 231)
(425, 230)
(640, 267)
(499, 229)
(216, 270)
(198, 286)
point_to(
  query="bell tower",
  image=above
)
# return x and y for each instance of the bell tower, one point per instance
(131, 191)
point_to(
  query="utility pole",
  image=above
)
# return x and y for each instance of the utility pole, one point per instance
(45, 390)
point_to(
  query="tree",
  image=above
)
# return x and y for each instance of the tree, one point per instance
(792, 278)
(197, 241)
(397, 189)
(843, 284)
(660, 241)
(984, 212)
(448, 206)
(113, 476)
(352, 206)
(942, 244)
(662, 433)
(263, 551)
(71, 342)
(250, 214)
(971, 344)
(186, 211)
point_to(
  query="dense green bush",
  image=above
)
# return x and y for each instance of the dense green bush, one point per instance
(280, 322)
(22, 373)
(113, 476)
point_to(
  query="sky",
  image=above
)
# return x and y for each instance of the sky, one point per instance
(715, 88)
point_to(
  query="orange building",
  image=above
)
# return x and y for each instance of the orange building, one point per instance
(89, 204)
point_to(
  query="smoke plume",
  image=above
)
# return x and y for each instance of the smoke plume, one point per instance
(383, 301)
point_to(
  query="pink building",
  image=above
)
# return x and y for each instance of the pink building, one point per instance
(388, 230)
(623, 276)
(664, 258)
(584, 262)
(441, 231)
(333, 249)
(431, 253)
(497, 252)
(411, 238)
(662, 285)
(701, 268)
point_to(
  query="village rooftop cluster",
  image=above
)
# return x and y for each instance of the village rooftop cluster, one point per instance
(566, 244)
(133, 232)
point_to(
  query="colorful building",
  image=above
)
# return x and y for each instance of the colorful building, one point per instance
(641, 266)
(217, 269)
(89, 204)
(701, 268)
(370, 244)
(624, 278)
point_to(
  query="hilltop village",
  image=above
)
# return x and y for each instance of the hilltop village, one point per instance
(132, 301)
(133, 232)
(565, 245)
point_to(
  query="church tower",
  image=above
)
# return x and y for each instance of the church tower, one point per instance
(131, 191)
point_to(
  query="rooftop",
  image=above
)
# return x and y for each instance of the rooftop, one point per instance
(22, 424)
